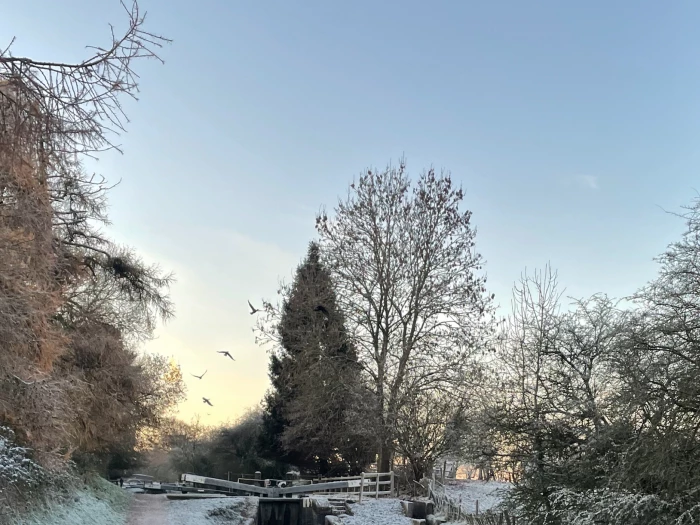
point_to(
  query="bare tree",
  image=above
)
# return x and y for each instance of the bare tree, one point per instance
(558, 389)
(530, 337)
(77, 106)
(405, 268)
(430, 425)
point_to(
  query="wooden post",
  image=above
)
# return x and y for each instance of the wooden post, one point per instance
(477, 507)
(362, 485)
(391, 487)
(376, 487)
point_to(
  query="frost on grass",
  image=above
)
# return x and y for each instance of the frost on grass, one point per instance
(377, 512)
(232, 510)
(98, 503)
(466, 493)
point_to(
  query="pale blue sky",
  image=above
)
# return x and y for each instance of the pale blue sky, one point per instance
(569, 125)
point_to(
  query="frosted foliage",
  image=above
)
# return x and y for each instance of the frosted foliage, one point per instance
(607, 507)
(16, 469)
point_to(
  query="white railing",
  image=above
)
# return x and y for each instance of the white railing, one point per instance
(367, 484)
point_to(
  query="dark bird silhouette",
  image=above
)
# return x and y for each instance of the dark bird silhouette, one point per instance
(225, 352)
(321, 308)
(207, 401)
(199, 377)
(253, 310)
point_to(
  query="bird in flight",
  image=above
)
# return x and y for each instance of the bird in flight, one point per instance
(207, 401)
(199, 377)
(225, 352)
(253, 310)
(321, 308)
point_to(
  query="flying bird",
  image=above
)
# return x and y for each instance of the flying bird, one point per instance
(253, 310)
(321, 308)
(199, 377)
(225, 352)
(207, 401)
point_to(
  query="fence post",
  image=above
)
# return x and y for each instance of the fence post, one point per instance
(477, 507)
(392, 485)
(362, 485)
(376, 487)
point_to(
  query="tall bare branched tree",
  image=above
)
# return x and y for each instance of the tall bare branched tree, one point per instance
(407, 274)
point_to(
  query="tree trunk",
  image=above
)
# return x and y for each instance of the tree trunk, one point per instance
(385, 455)
(419, 469)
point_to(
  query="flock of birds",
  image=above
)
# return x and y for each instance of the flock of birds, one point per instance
(225, 353)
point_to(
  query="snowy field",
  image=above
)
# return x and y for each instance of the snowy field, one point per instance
(488, 493)
(387, 511)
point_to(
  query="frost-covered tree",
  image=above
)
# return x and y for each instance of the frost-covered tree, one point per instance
(660, 367)
(72, 302)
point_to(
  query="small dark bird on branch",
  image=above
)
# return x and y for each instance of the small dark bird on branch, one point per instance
(226, 354)
(199, 377)
(321, 308)
(207, 401)
(253, 310)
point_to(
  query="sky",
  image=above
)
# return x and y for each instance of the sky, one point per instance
(573, 128)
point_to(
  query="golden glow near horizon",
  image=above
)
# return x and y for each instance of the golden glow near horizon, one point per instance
(211, 315)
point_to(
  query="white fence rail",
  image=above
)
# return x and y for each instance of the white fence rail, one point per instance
(367, 484)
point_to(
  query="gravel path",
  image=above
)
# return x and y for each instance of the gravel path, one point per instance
(147, 509)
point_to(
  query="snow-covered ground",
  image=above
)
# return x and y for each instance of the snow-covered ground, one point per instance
(157, 509)
(488, 493)
(387, 511)
(384, 511)
(231, 510)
